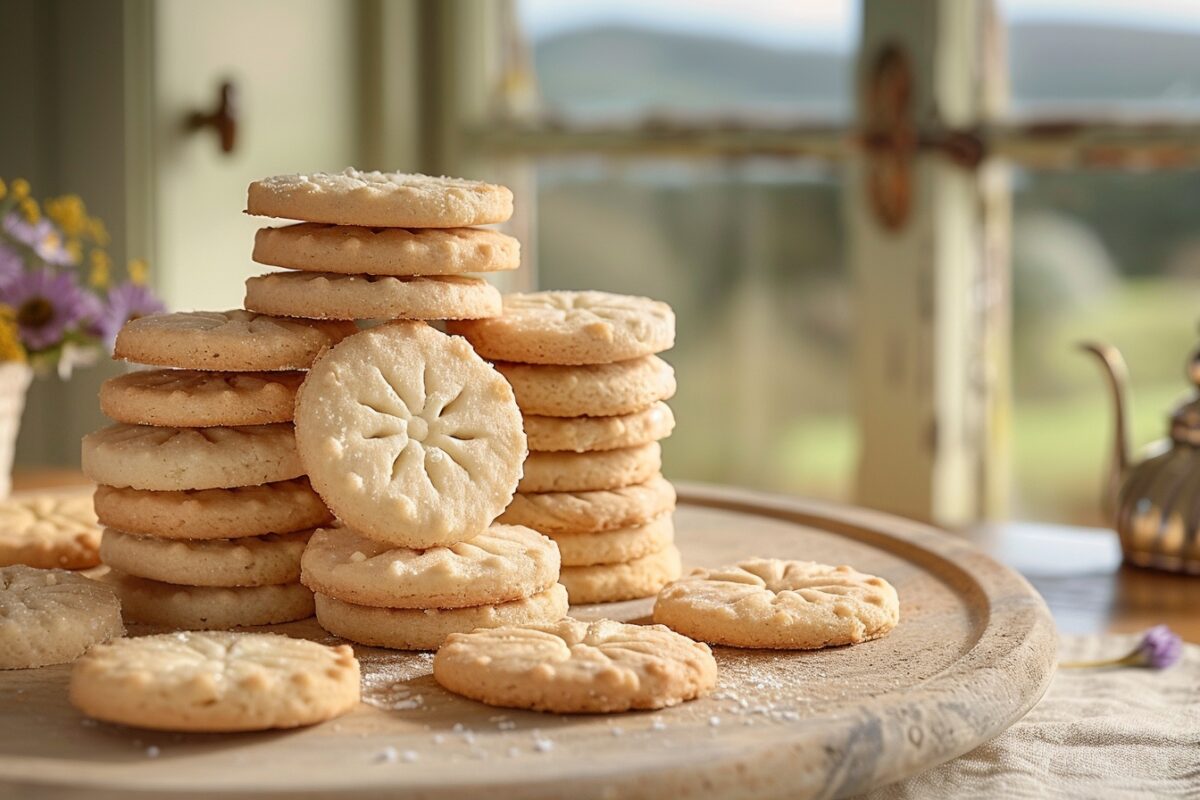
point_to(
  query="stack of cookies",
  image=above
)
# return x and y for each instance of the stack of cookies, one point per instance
(590, 386)
(412, 440)
(201, 488)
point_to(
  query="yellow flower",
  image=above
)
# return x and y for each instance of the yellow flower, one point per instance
(74, 250)
(101, 269)
(3, 189)
(69, 213)
(139, 272)
(51, 242)
(98, 232)
(10, 341)
(29, 208)
(20, 189)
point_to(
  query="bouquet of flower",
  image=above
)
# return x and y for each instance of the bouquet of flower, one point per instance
(59, 305)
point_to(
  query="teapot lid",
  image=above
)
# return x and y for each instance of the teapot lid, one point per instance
(1185, 419)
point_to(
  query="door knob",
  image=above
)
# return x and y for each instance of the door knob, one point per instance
(223, 119)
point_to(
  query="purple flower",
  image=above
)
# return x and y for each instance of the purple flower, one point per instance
(46, 304)
(125, 302)
(11, 264)
(1160, 648)
(41, 236)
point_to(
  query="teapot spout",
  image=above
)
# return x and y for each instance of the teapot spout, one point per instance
(1118, 380)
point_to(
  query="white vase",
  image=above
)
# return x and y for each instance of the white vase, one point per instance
(14, 383)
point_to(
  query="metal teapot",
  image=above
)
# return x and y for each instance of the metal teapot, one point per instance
(1155, 503)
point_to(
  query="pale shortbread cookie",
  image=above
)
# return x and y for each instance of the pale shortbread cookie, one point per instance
(173, 459)
(321, 295)
(616, 546)
(215, 682)
(505, 562)
(572, 328)
(232, 341)
(49, 529)
(587, 434)
(770, 603)
(586, 512)
(280, 507)
(380, 199)
(426, 629)
(409, 436)
(599, 390)
(168, 605)
(585, 472)
(354, 250)
(51, 616)
(576, 667)
(194, 399)
(607, 583)
(249, 561)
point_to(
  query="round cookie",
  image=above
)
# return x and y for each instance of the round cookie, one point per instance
(327, 295)
(354, 250)
(215, 682)
(233, 341)
(172, 459)
(598, 390)
(770, 603)
(616, 546)
(208, 607)
(585, 472)
(572, 328)
(409, 436)
(505, 562)
(607, 583)
(193, 399)
(587, 434)
(574, 667)
(381, 199)
(48, 530)
(52, 616)
(248, 561)
(587, 512)
(280, 507)
(426, 629)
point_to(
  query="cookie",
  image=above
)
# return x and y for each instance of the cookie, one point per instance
(380, 199)
(191, 399)
(770, 603)
(167, 605)
(616, 546)
(426, 629)
(585, 472)
(280, 507)
(248, 561)
(573, 667)
(51, 616)
(505, 562)
(586, 512)
(215, 682)
(172, 459)
(599, 390)
(50, 529)
(354, 250)
(233, 341)
(606, 583)
(326, 295)
(586, 434)
(409, 436)
(572, 328)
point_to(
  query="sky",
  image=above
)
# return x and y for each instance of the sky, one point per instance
(825, 24)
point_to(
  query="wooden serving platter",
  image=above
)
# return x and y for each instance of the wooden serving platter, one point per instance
(973, 652)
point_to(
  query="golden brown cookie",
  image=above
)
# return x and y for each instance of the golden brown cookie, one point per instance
(583, 512)
(585, 472)
(615, 546)
(327, 295)
(607, 583)
(248, 561)
(48, 530)
(51, 616)
(598, 390)
(167, 605)
(585, 434)
(194, 399)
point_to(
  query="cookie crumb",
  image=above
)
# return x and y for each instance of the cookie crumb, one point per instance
(153, 752)
(714, 721)
(387, 755)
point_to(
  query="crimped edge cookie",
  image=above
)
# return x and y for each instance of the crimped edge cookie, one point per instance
(248, 561)
(426, 629)
(355, 250)
(615, 546)
(64, 533)
(51, 616)
(200, 399)
(327, 295)
(208, 607)
(215, 682)
(582, 472)
(586, 512)
(596, 390)
(588, 434)
(280, 507)
(607, 583)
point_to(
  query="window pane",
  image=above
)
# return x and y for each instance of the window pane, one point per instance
(750, 256)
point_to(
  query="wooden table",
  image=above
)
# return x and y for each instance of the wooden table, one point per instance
(1077, 570)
